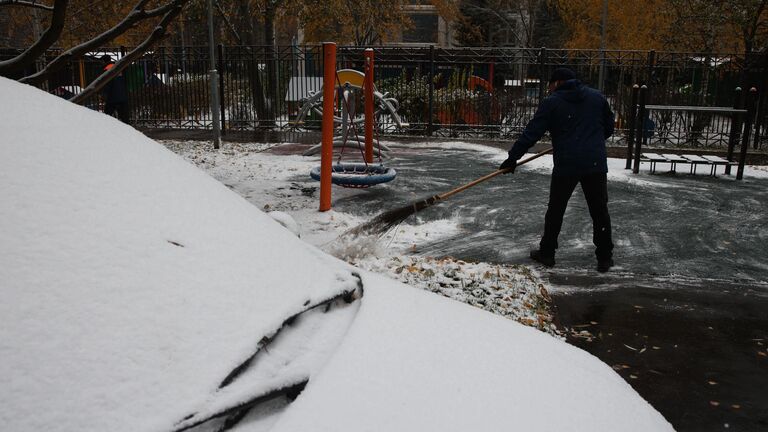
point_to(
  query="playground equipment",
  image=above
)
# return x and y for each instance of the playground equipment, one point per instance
(348, 81)
(357, 175)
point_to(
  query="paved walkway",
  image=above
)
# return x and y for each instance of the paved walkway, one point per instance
(683, 317)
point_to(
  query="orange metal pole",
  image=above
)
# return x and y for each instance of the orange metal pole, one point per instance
(82, 73)
(326, 154)
(369, 105)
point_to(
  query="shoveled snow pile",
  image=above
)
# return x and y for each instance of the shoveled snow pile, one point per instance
(142, 295)
(511, 291)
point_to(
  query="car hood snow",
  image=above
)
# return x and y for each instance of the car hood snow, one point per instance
(133, 282)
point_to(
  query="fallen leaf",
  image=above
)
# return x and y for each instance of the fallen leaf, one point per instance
(545, 294)
(712, 382)
(735, 406)
(633, 349)
(714, 403)
(633, 376)
(593, 322)
(762, 354)
(656, 348)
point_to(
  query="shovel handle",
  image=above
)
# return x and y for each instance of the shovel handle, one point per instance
(490, 176)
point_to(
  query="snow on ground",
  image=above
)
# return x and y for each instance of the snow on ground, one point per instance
(511, 291)
(280, 183)
(142, 295)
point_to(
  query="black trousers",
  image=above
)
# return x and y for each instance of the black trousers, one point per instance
(595, 187)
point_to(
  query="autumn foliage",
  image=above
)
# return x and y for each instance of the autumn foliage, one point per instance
(671, 25)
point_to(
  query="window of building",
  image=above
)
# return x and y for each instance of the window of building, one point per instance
(509, 33)
(424, 29)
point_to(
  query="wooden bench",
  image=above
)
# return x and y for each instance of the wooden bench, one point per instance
(718, 161)
(674, 159)
(653, 159)
(694, 160)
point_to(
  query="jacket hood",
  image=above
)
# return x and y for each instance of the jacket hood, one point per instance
(571, 90)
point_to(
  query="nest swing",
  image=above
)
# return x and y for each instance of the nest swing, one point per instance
(355, 175)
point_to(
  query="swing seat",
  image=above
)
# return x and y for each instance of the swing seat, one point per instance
(357, 175)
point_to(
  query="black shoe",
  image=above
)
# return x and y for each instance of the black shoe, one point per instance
(547, 260)
(604, 265)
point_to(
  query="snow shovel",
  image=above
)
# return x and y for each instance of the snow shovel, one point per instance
(385, 221)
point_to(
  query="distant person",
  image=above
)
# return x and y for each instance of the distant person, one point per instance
(579, 120)
(153, 80)
(115, 94)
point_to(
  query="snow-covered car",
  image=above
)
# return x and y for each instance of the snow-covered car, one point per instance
(140, 294)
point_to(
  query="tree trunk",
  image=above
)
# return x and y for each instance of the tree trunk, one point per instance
(254, 76)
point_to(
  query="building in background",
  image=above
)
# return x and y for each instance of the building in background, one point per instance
(429, 28)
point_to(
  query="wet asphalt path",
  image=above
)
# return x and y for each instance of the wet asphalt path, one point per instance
(684, 315)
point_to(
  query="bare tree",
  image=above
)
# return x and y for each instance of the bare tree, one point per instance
(46, 40)
(167, 12)
(172, 10)
(491, 18)
(718, 26)
(32, 4)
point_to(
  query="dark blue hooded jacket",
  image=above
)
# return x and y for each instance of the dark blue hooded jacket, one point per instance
(579, 119)
(115, 92)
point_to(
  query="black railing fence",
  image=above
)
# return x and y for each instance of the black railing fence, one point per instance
(487, 93)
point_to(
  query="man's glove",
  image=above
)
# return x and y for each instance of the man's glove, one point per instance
(509, 164)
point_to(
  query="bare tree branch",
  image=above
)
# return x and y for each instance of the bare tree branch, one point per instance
(496, 13)
(160, 10)
(137, 14)
(48, 38)
(229, 23)
(32, 4)
(158, 33)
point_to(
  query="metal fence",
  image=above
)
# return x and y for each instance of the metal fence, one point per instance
(487, 93)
